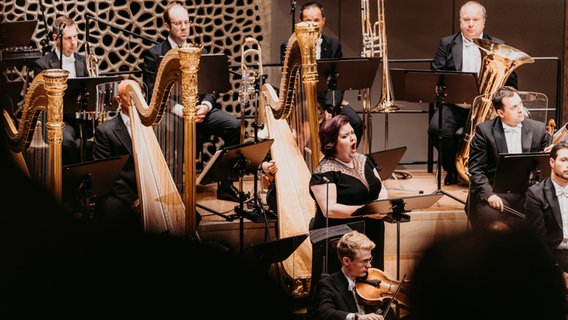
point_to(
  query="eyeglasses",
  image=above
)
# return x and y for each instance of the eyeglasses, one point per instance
(365, 261)
(180, 23)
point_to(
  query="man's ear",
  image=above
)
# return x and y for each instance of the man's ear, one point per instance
(500, 113)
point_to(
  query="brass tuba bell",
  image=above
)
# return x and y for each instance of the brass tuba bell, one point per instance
(497, 64)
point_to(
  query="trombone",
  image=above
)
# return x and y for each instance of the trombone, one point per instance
(252, 75)
(375, 45)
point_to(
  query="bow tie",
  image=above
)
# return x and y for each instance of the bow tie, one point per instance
(508, 129)
(562, 192)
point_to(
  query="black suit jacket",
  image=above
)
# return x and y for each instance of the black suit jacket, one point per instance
(449, 56)
(152, 58)
(543, 213)
(486, 145)
(51, 61)
(330, 49)
(112, 140)
(332, 299)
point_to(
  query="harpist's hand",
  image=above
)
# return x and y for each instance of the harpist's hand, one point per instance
(202, 111)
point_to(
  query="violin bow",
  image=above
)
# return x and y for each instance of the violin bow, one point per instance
(387, 309)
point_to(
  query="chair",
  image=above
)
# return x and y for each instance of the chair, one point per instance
(535, 103)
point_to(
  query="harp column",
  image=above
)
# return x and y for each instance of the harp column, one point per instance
(190, 56)
(55, 85)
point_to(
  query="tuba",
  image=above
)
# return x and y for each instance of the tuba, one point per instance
(375, 45)
(497, 64)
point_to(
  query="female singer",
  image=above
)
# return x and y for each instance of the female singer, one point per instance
(343, 182)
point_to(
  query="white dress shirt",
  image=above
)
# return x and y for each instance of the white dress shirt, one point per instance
(513, 137)
(68, 63)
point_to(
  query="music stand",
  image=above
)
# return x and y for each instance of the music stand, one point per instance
(213, 74)
(79, 99)
(347, 73)
(16, 33)
(333, 233)
(232, 163)
(516, 172)
(81, 93)
(439, 87)
(266, 253)
(89, 180)
(395, 209)
(387, 161)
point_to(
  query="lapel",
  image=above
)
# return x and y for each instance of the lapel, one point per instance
(121, 133)
(526, 137)
(457, 51)
(80, 67)
(499, 135)
(166, 47)
(343, 286)
(54, 60)
(325, 47)
(552, 199)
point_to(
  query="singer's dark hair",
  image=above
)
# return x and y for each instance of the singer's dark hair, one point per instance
(328, 133)
(60, 21)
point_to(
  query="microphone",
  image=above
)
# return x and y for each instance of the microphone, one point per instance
(60, 30)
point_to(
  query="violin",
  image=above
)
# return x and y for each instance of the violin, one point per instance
(378, 286)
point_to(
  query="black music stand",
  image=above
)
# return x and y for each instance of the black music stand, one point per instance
(263, 255)
(81, 98)
(87, 181)
(395, 209)
(213, 74)
(439, 87)
(16, 33)
(346, 73)
(331, 235)
(387, 161)
(516, 172)
(232, 163)
(267, 253)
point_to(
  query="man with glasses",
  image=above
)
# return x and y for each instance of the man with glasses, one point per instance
(335, 296)
(210, 119)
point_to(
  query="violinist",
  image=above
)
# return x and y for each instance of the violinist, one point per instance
(335, 296)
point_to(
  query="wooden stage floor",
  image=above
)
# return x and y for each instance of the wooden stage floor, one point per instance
(403, 241)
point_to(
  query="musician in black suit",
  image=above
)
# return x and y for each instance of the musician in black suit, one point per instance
(457, 52)
(509, 132)
(120, 208)
(210, 120)
(64, 32)
(328, 48)
(546, 206)
(335, 297)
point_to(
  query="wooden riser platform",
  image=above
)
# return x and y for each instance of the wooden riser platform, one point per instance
(445, 217)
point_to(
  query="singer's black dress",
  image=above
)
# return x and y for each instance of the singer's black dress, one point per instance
(355, 186)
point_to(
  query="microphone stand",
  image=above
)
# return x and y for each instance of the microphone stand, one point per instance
(325, 257)
(60, 37)
(293, 13)
(45, 47)
(89, 16)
